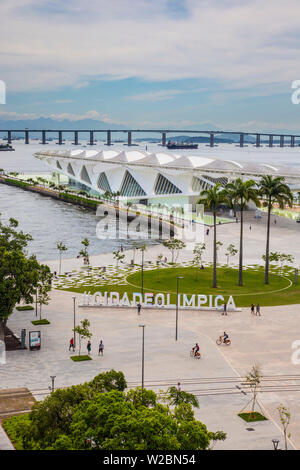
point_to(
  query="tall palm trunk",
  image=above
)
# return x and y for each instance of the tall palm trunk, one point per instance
(241, 249)
(215, 252)
(268, 245)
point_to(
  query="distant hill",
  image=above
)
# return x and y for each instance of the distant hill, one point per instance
(47, 123)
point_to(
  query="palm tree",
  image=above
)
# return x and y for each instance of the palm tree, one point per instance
(212, 198)
(273, 190)
(241, 192)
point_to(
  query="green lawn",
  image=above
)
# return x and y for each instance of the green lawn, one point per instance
(280, 290)
(250, 417)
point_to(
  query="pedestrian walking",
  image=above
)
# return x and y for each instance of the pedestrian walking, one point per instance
(179, 387)
(252, 308)
(101, 348)
(139, 308)
(121, 248)
(224, 309)
(250, 227)
(89, 347)
(71, 345)
(207, 231)
(258, 310)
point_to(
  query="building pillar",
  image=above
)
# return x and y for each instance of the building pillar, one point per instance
(26, 137)
(212, 140)
(91, 138)
(60, 141)
(108, 140)
(129, 138)
(242, 140)
(9, 137)
(257, 140)
(43, 137)
(292, 141)
(281, 141)
(164, 139)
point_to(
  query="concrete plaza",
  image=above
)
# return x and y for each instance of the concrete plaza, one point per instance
(266, 340)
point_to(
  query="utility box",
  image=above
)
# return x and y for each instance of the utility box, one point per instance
(23, 339)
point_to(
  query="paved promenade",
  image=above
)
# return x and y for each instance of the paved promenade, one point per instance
(266, 340)
(253, 340)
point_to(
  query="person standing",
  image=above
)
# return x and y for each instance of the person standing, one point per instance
(252, 309)
(179, 387)
(101, 348)
(224, 309)
(72, 344)
(258, 310)
(139, 308)
(89, 347)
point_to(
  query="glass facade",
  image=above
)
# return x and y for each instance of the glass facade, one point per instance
(103, 183)
(84, 175)
(164, 186)
(70, 169)
(130, 187)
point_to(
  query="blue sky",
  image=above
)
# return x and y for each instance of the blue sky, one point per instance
(142, 63)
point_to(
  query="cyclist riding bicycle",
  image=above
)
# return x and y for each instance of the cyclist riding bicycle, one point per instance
(225, 337)
(196, 349)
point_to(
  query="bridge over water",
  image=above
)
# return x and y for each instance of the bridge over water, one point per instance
(284, 139)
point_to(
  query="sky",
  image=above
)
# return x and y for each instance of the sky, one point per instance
(152, 63)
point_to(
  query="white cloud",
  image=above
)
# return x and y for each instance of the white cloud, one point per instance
(13, 116)
(49, 44)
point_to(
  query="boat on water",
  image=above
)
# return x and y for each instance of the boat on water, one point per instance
(182, 145)
(6, 148)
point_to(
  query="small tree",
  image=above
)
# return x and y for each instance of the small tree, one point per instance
(218, 246)
(174, 245)
(231, 251)
(285, 417)
(84, 251)
(198, 253)
(43, 288)
(158, 263)
(253, 379)
(83, 331)
(61, 247)
(281, 258)
(118, 256)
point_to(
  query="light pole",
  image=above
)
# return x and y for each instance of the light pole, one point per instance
(176, 330)
(143, 353)
(52, 377)
(74, 299)
(142, 273)
(275, 443)
(36, 302)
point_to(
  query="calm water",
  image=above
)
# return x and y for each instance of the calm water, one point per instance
(50, 221)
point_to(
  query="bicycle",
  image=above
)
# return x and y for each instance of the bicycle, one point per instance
(220, 341)
(197, 356)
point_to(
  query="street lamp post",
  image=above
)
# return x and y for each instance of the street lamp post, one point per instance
(143, 353)
(275, 443)
(74, 299)
(52, 377)
(142, 273)
(176, 330)
(36, 302)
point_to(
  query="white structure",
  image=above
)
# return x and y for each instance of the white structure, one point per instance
(158, 177)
